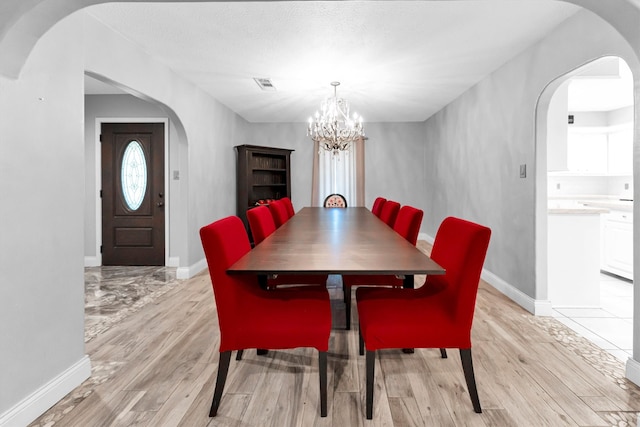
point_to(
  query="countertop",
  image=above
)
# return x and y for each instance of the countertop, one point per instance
(587, 205)
(618, 205)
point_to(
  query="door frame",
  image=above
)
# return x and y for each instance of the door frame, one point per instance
(98, 179)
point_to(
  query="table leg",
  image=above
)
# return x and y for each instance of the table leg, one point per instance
(407, 283)
(262, 281)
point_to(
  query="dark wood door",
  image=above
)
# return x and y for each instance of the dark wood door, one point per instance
(133, 194)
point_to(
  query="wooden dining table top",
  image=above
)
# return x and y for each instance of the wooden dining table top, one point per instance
(335, 241)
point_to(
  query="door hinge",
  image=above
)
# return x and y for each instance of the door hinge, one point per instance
(101, 194)
(100, 137)
(100, 248)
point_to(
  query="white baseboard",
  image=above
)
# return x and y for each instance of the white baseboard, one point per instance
(34, 405)
(173, 261)
(533, 306)
(192, 270)
(426, 238)
(632, 371)
(91, 261)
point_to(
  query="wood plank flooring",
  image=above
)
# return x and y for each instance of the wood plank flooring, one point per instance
(157, 368)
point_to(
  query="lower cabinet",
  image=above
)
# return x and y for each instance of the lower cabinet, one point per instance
(617, 243)
(573, 260)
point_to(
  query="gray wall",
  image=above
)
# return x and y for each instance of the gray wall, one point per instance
(394, 164)
(476, 144)
(41, 215)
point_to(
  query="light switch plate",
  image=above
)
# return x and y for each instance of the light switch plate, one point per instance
(523, 171)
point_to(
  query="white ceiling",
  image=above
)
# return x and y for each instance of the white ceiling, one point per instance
(396, 60)
(601, 89)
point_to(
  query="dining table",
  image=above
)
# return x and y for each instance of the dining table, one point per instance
(344, 241)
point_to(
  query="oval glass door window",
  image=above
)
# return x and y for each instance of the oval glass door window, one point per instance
(134, 175)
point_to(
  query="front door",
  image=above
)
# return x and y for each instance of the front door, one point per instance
(132, 193)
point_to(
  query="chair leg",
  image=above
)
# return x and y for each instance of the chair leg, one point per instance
(371, 363)
(467, 367)
(443, 353)
(322, 365)
(223, 368)
(239, 355)
(361, 342)
(347, 305)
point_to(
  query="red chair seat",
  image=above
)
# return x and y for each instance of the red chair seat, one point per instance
(281, 319)
(390, 318)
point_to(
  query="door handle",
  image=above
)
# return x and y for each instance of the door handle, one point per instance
(160, 204)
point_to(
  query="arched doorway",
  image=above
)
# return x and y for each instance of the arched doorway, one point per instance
(585, 202)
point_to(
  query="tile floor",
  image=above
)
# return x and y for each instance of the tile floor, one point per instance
(611, 326)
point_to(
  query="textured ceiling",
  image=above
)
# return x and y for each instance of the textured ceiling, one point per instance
(396, 60)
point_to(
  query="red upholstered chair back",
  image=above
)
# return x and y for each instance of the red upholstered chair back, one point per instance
(224, 242)
(460, 247)
(408, 223)
(261, 223)
(279, 212)
(289, 206)
(389, 212)
(378, 203)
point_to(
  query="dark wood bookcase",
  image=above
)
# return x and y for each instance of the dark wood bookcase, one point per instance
(263, 173)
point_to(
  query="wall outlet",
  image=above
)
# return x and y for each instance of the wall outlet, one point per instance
(176, 175)
(523, 171)
(557, 186)
(626, 185)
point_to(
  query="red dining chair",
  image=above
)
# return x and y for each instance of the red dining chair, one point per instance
(407, 225)
(408, 222)
(376, 209)
(389, 212)
(437, 315)
(261, 225)
(289, 206)
(250, 317)
(279, 212)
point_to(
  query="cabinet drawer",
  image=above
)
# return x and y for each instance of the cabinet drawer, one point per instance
(619, 216)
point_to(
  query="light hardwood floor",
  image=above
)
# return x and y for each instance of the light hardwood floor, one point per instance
(157, 368)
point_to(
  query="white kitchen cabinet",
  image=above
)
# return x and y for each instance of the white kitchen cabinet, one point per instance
(573, 254)
(617, 243)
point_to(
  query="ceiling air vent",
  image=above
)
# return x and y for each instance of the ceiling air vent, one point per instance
(265, 83)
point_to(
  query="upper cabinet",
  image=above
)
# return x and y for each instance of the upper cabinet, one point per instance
(590, 121)
(600, 151)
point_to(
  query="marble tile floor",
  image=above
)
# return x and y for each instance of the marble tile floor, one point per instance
(113, 293)
(610, 327)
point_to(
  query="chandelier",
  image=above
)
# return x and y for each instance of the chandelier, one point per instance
(332, 128)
